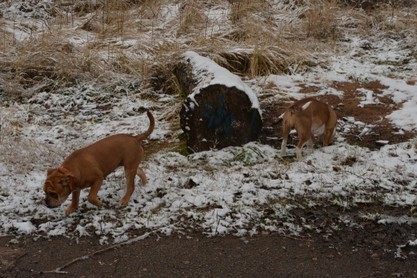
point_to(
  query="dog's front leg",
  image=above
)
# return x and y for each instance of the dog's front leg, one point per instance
(285, 132)
(74, 202)
(92, 195)
(310, 145)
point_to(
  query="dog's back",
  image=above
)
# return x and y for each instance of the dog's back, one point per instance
(111, 152)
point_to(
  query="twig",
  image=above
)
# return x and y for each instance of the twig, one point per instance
(59, 270)
(302, 238)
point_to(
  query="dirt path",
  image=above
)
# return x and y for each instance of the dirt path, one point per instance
(198, 256)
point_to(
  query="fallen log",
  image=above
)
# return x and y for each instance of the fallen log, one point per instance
(220, 110)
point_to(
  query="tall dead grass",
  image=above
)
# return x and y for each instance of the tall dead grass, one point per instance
(321, 22)
(240, 10)
(252, 38)
(381, 17)
(48, 62)
(7, 40)
(192, 18)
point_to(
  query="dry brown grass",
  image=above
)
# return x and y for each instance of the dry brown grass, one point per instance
(321, 22)
(263, 61)
(377, 4)
(385, 20)
(192, 18)
(253, 38)
(241, 10)
(49, 58)
(7, 39)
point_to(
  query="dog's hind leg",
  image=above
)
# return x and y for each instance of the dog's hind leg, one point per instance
(328, 136)
(130, 174)
(142, 176)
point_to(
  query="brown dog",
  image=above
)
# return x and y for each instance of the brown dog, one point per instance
(309, 117)
(89, 166)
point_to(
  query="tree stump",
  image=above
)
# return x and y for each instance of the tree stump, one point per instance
(220, 109)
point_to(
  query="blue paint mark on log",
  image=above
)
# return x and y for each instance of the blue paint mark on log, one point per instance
(218, 117)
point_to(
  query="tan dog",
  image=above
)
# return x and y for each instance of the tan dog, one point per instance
(89, 166)
(309, 117)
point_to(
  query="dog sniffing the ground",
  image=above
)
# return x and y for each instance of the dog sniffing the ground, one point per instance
(309, 117)
(89, 166)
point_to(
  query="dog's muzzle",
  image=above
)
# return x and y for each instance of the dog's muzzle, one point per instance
(48, 205)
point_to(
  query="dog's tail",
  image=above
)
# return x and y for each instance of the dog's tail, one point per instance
(144, 135)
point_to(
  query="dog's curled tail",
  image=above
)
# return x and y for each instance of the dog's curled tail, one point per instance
(144, 135)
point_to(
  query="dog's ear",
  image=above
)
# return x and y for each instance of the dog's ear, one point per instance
(70, 181)
(296, 109)
(65, 171)
(69, 175)
(49, 171)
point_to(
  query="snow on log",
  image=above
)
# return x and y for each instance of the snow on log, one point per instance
(220, 109)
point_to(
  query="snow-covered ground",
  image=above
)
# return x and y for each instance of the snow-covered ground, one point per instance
(237, 190)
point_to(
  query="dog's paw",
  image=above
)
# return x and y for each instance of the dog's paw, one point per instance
(95, 201)
(70, 210)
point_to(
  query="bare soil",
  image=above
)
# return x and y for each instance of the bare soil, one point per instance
(357, 252)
